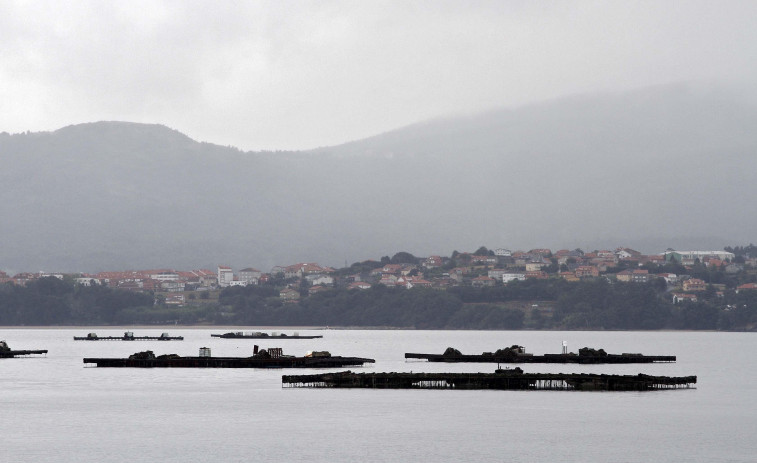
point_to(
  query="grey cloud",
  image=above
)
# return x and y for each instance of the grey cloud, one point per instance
(280, 75)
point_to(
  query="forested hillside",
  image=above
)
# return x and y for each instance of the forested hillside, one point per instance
(532, 304)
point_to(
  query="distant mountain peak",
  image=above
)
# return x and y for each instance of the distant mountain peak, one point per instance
(122, 129)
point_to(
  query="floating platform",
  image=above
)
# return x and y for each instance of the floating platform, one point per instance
(272, 358)
(128, 336)
(516, 354)
(513, 379)
(261, 335)
(6, 352)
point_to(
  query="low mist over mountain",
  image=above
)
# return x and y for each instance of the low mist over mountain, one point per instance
(668, 166)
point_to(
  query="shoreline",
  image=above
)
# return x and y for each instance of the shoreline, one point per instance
(322, 328)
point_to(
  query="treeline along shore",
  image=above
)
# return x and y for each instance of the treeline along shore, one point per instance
(531, 304)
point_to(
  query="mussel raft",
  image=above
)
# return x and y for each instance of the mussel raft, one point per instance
(517, 354)
(271, 358)
(513, 379)
(128, 336)
(261, 335)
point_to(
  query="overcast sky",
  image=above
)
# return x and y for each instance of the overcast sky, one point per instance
(298, 75)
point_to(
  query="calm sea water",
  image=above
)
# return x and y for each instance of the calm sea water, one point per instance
(55, 409)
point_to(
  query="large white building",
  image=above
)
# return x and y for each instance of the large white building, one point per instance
(165, 276)
(689, 257)
(250, 276)
(225, 276)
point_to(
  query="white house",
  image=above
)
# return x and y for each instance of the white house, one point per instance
(497, 273)
(172, 286)
(508, 277)
(323, 280)
(671, 279)
(359, 285)
(535, 266)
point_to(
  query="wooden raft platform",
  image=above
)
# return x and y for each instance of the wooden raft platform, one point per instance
(7, 352)
(546, 358)
(259, 335)
(501, 380)
(128, 336)
(21, 353)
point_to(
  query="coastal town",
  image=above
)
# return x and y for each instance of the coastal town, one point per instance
(480, 269)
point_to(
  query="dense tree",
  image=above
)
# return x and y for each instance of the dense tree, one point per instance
(600, 305)
(361, 267)
(743, 251)
(591, 304)
(482, 251)
(696, 316)
(403, 257)
(51, 301)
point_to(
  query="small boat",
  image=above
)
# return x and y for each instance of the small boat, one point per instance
(128, 336)
(261, 335)
(6, 352)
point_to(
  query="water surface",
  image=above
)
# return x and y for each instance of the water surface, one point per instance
(57, 410)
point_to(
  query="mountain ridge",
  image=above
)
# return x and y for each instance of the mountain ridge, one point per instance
(661, 162)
